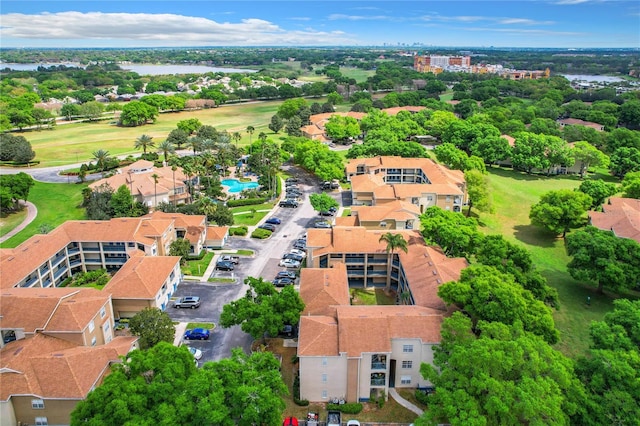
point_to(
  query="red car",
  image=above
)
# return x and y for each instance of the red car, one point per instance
(290, 421)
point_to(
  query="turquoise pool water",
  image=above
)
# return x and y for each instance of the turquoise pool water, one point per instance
(235, 185)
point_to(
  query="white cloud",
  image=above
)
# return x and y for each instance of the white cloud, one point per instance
(340, 16)
(522, 21)
(156, 29)
(300, 18)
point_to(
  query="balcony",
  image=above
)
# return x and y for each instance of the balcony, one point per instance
(90, 248)
(358, 260)
(378, 379)
(378, 365)
(113, 248)
(73, 250)
(59, 273)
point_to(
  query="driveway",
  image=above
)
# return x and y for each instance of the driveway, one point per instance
(264, 263)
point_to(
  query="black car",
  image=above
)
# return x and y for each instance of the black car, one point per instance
(288, 203)
(291, 185)
(333, 209)
(291, 179)
(326, 213)
(293, 256)
(293, 192)
(225, 266)
(281, 282)
(268, 227)
(286, 274)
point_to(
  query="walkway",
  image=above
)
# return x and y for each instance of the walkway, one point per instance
(406, 404)
(32, 212)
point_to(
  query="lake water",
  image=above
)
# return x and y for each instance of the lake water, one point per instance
(592, 78)
(140, 69)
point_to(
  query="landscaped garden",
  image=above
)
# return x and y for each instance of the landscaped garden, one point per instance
(197, 267)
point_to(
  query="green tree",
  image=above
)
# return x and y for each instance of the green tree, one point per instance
(276, 124)
(587, 156)
(498, 378)
(166, 148)
(598, 190)
(263, 309)
(394, 242)
(290, 107)
(625, 160)
(144, 142)
(70, 110)
(489, 295)
(97, 202)
(22, 152)
(452, 157)
(631, 185)
(529, 152)
(122, 202)
(189, 126)
(629, 114)
(478, 190)
(92, 110)
(340, 128)
(136, 113)
(559, 211)
(223, 216)
(180, 247)
(102, 157)
(152, 326)
(322, 202)
(456, 234)
(250, 130)
(601, 258)
(15, 188)
(236, 136)
(178, 137)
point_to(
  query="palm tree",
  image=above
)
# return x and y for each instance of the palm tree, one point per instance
(165, 148)
(173, 169)
(101, 156)
(236, 136)
(195, 143)
(250, 130)
(262, 136)
(155, 190)
(394, 241)
(144, 142)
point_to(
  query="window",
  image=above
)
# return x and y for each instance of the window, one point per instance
(415, 200)
(37, 404)
(324, 378)
(42, 421)
(106, 327)
(324, 394)
(324, 361)
(92, 326)
(405, 380)
(407, 364)
(407, 348)
(429, 197)
(103, 312)
(94, 341)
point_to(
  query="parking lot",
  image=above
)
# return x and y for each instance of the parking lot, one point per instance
(264, 263)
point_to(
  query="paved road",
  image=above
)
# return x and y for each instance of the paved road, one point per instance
(32, 212)
(264, 263)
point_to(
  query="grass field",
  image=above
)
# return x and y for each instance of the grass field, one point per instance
(197, 267)
(10, 221)
(358, 74)
(513, 195)
(72, 143)
(56, 203)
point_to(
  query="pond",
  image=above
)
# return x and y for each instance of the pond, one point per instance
(236, 186)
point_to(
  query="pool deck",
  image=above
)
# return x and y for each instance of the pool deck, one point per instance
(234, 176)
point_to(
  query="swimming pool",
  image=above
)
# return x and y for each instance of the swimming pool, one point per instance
(236, 186)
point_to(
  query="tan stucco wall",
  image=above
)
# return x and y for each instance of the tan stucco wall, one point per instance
(57, 412)
(7, 415)
(422, 352)
(311, 371)
(121, 306)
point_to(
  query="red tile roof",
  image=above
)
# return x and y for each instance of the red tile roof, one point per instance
(620, 215)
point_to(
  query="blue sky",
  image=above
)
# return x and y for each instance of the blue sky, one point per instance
(479, 23)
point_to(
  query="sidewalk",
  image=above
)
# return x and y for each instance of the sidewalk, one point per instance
(406, 404)
(32, 212)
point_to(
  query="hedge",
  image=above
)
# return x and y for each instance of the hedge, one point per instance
(246, 202)
(241, 230)
(261, 233)
(198, 257)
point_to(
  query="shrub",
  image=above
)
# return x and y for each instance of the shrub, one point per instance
(296, 393)
(239, 230)
(198, 257)
(348, 408)
(422, 396)
(261, 233)
(380, 401)
(246, 202)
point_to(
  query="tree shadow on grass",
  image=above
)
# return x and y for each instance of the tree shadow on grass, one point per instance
(535, 236)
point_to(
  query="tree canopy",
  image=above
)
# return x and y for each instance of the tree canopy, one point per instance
(455, 234)
(152, 326)
(322, 202)
(162, 386)
(561, 210)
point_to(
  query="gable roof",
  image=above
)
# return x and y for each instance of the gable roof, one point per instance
(397, 210)
(324, 289)
(318, 336)
(620, 215)
(49, 367)
(141, 277)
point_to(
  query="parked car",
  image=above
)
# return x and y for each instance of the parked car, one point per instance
(325, 213)
(224, 266)
(281, 282)
(286, 274)
(268, 227)
(333, 209)
(197, 334)
(293, 194)
(291, 179)
(290, 421)
(313, 418)
(227, 258)
(300, 244)
(273, 221)
(322, 224)
(288, 203)
(187, 302)
(353, 423)
(292, 256)
(289, 263)
(298, 252)
(197, 353)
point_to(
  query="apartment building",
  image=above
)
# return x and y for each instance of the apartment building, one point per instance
(620, 216)
(359, 352)
(418, 181)
(151, 185)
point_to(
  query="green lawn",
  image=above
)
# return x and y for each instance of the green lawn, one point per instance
(358, 74)
(56, 203)
(513, 194)
(9, 221)
(71, 143)
(244, 209)
(248, 219)
(371, 296)
(197, 267)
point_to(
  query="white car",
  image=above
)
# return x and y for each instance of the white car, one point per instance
(197, 353)
(298, 252)
(289, 263)
(353, 423)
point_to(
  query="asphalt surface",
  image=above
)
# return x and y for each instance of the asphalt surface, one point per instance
(264, 263)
